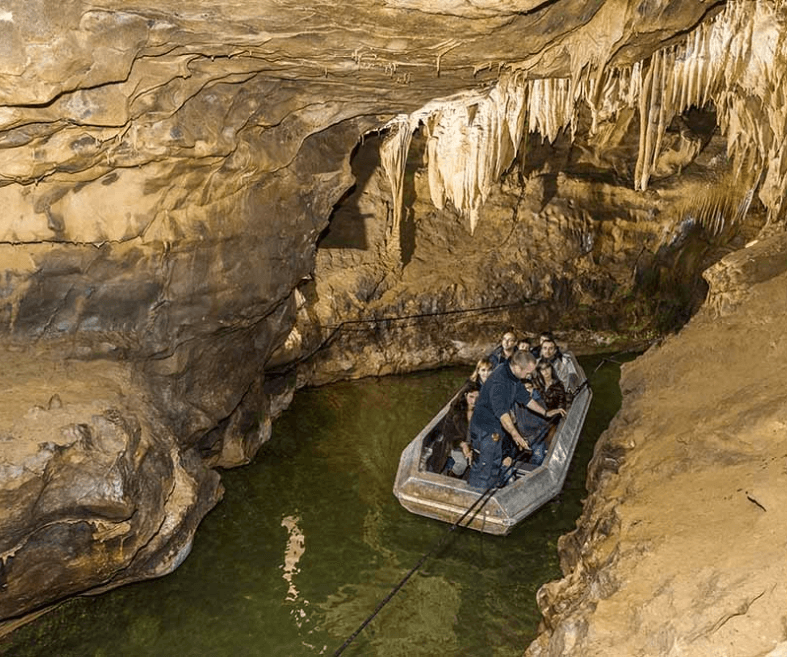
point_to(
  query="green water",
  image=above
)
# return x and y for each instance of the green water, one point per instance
(309, 538)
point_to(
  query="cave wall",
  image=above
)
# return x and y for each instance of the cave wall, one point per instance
(166, 173)
(679, 549)
(558, 245)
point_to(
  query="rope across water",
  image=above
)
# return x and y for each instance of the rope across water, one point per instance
(483, 499)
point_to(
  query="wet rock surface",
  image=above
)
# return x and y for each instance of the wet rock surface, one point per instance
(95, 491)
(678, 549)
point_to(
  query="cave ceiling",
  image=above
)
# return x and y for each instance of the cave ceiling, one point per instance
(86, 89)
(214, 96)
(226, 128)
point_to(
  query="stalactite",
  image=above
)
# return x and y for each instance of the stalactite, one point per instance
(393, 158)
(471, 141)
(551, 106)
(736, 61)
(642, 171)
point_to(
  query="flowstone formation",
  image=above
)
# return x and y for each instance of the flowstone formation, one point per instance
(168, 171)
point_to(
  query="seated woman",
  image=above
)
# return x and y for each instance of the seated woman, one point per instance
(550, 387)
(550, 393)
(482, 371)
(451, 453)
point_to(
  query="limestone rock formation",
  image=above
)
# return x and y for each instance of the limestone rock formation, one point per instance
(680, 547)
(168, 172)
(93, 488)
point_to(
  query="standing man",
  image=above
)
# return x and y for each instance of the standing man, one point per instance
(493, 415)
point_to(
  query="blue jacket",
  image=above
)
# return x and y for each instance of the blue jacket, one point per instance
(498, 395)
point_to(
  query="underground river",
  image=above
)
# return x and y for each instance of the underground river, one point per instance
(309, 538)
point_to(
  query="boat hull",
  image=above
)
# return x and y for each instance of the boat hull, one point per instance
(449, 499)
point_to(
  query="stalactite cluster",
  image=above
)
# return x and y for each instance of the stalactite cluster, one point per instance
(470, 142)
(393, 157)
(736, 62)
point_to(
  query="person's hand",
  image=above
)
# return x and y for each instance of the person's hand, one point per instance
(556, 411)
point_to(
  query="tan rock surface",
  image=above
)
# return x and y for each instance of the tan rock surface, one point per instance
(681, 548)
(93, 490)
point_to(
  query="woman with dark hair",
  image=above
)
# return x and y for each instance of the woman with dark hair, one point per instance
(548, 390)
(451, 452)
(553, 392)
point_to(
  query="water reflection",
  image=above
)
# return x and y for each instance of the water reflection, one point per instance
(294, 550)
(292, 554)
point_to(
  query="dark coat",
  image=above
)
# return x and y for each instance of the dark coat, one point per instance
(453, 430)
(554, 396)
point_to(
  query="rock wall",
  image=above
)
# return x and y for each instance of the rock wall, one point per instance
(679, 550)
(95, 490)
(556, 246)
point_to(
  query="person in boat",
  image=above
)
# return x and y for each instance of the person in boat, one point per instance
(550, 387)
(551, 353)
(523, 344)
(542, 337)
(504, 350)
(492, 418)
(447, 450)
(532, 426)
(456, 429)
(552, 396)
(482, 371)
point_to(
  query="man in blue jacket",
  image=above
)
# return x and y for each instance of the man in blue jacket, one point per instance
(492, 417)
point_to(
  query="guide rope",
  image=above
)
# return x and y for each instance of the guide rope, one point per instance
(485, 496)
(373, 321)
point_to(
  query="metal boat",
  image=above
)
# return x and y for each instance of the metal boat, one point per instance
(448, 499)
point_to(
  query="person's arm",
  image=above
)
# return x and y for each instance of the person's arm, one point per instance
(533, 405)
(467, 451)
(508, 425)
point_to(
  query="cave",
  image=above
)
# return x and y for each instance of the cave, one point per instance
(201, 199)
